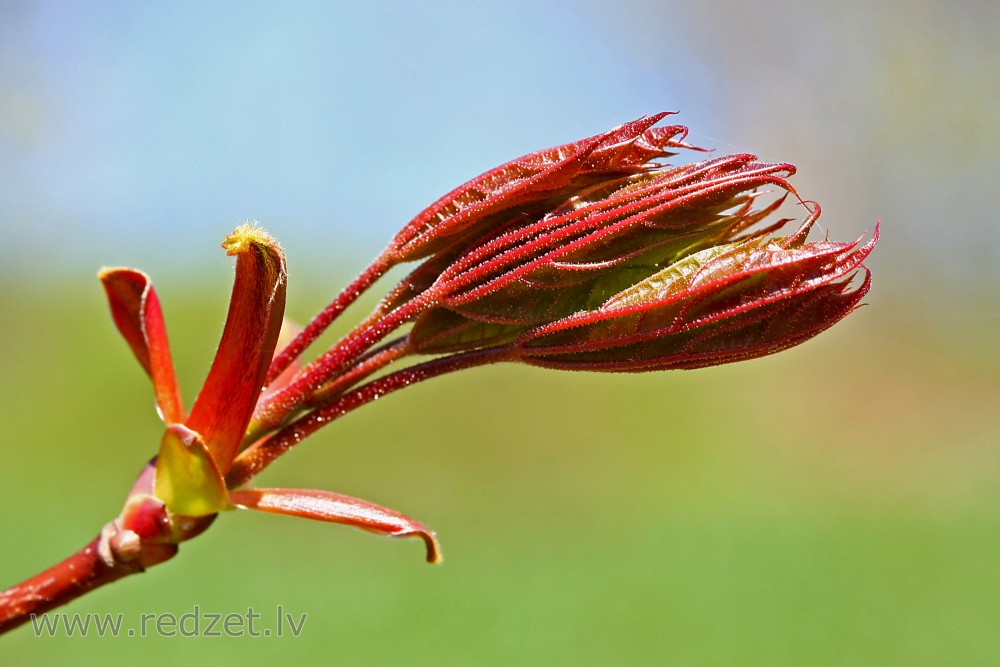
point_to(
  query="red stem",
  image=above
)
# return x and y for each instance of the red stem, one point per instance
(257, 457)
(275, 409)
(268, 419)
(80, 573)
(366, 366)
(318, 325)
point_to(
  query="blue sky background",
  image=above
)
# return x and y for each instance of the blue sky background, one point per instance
(140, 133)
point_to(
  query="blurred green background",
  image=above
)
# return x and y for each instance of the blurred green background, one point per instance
(835, 504)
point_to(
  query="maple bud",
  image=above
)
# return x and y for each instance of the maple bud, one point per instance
(591, 256)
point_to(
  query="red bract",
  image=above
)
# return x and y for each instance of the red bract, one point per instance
(196, 451)
(586, 256)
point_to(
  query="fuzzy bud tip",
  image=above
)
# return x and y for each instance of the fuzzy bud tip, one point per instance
(245, 236)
